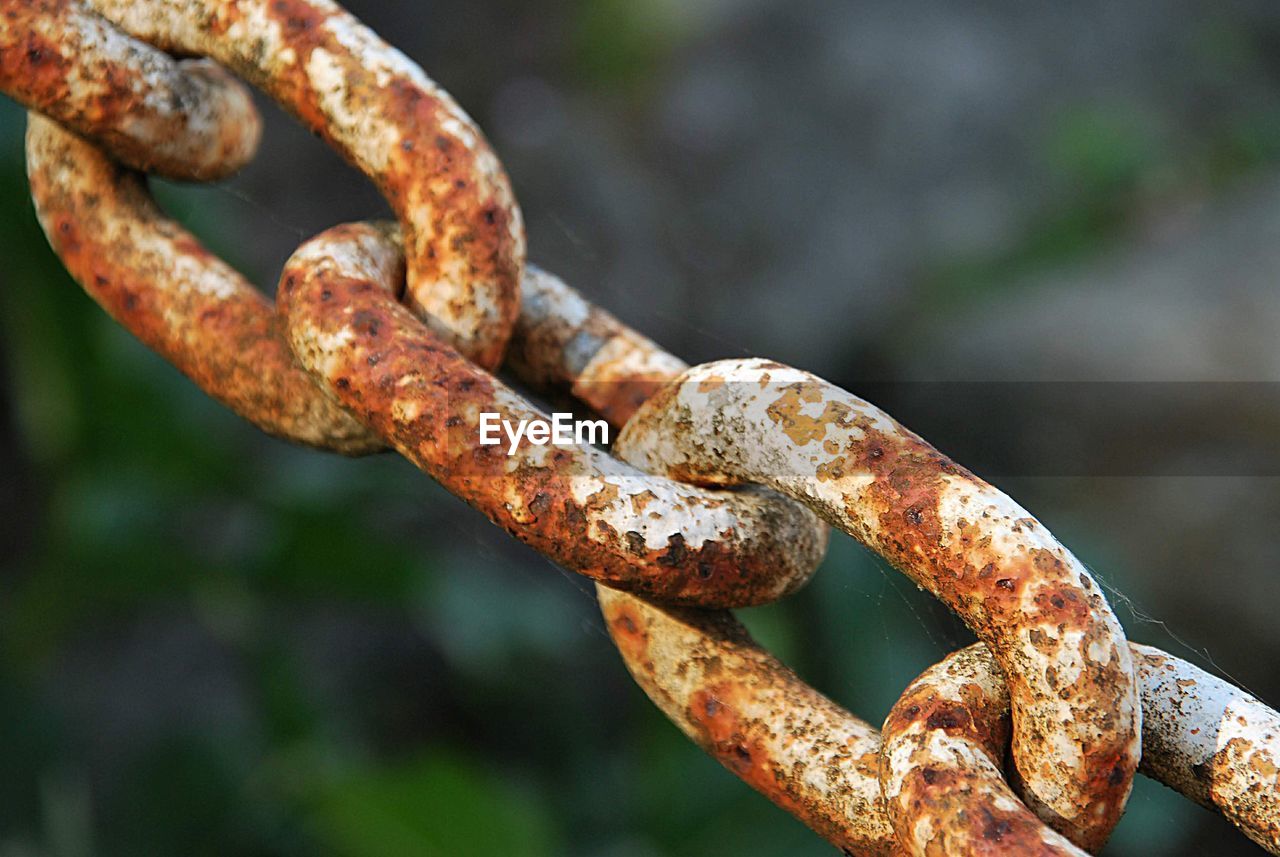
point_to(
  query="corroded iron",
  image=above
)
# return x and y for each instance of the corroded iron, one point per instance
(563, 340)
(1212, 742)
(756, 717)
(464, 233)
(185, 119)
(1076, 717)
(942, 767)
(742, 706)
(945, 739)
(157, 280)
(578, 505)
(677, 542)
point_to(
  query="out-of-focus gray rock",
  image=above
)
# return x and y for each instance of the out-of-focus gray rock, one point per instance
(1193, 300)
(1196, 299)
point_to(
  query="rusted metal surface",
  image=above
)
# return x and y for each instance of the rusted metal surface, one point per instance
(1076, 717)
(463, 229)
(563, 340)
(819, 762)
(1211, 741)
(755, 717)
(942, 767)
(180, 119)
(156, 279)
(945, 739)
(701, 668)
(741, 705)
(577, 504)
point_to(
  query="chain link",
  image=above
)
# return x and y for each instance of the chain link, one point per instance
(185, 119)
(463, 230)
(383, 336)
(578, 505)
(945, 738)
(1076, 716)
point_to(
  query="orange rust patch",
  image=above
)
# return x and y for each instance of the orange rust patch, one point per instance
(736, 743)
(629, 634)
(787, 411)
(1061, 604)
(33, 64)
(184, 121)
(112, 239)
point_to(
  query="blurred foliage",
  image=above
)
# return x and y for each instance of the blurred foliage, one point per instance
(621, 42)
(439, 805)
(1119, 162)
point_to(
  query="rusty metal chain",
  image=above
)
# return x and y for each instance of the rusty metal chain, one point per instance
(944, 742)
(720, 481)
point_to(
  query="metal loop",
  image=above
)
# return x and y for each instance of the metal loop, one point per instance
(576, 504)
(180, 119)
(945, 739)
(463, 230)
(756, 717)
(1076, 718)
(180, 300)
(1202, 737)
(942, 763)
(677, 542)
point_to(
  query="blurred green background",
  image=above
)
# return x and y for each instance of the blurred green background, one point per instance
(214, 643)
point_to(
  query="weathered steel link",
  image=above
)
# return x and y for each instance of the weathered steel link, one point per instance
(742, 706)
(464, 233)
(180, 119)
(1212, 742)
(945, 739)
(563, 340)
(578, 505)
(756, 717)
(1076, 715)
(751, 704)
(1202, 737)
(942, 766)
(759, 720)
(156, 279)
(716, 548)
